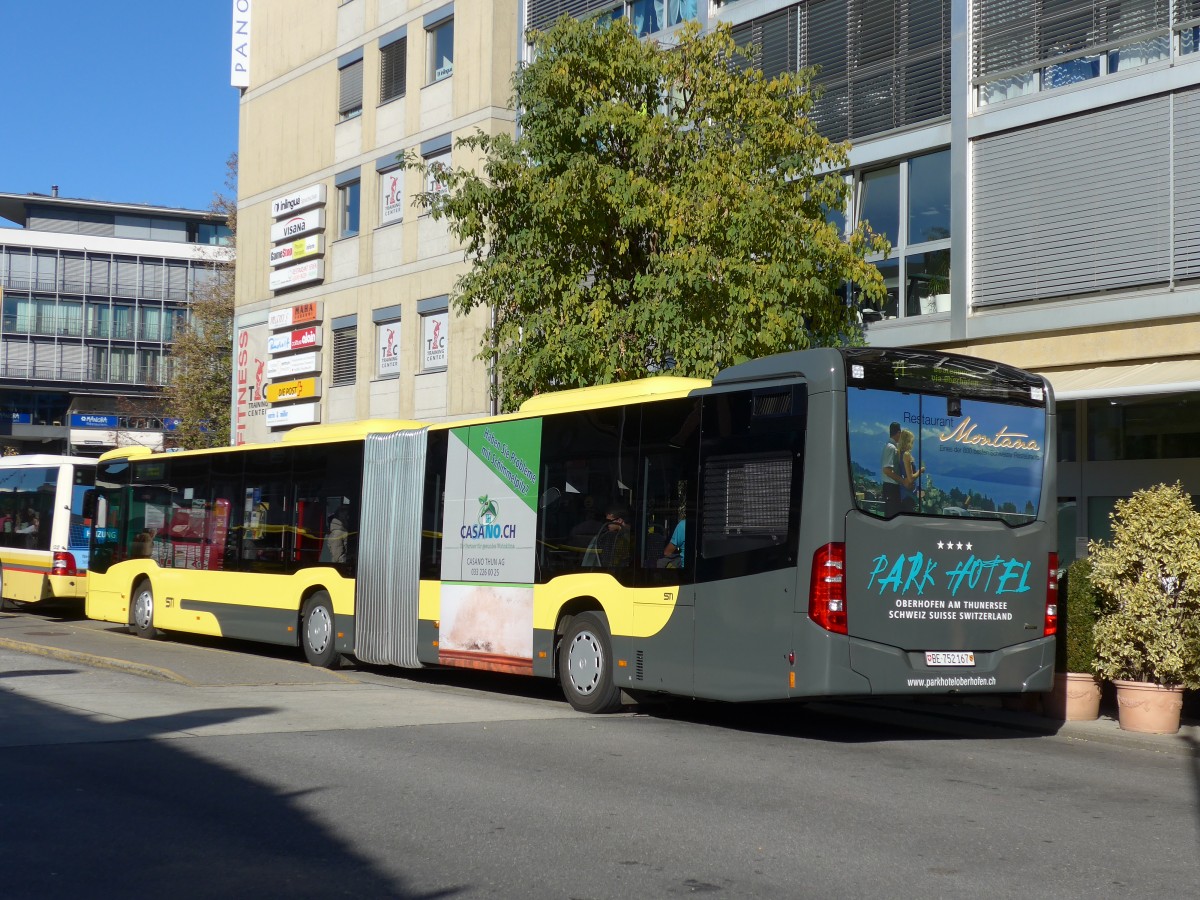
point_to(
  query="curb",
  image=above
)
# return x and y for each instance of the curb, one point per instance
(91, 659)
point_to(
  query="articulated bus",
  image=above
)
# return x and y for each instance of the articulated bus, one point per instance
(44, 534)
(736, 539)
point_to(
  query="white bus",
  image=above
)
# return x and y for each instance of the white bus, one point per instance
(44, 534)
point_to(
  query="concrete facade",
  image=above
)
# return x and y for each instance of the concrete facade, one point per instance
(94, 293)
(384, 285)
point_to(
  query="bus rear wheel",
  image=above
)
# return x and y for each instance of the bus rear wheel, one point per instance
(585, 667)
(317, 632)
(141, 611)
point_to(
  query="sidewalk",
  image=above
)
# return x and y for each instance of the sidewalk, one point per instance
(212, 662)
(184, 659)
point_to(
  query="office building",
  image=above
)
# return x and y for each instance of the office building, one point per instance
(93, 294)
(343, 284)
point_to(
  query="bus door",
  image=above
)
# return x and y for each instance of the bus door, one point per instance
(746, 534)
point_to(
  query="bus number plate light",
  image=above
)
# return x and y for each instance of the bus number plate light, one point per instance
(949, 658)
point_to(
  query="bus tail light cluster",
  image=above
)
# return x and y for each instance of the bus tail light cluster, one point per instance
(827, 590)
(1051, 626)
(64, 563)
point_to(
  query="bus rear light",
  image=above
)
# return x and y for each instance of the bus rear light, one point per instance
(64, 564)
(827, 589)
(1051, 626)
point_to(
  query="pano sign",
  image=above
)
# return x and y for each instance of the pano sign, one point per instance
(239, 59)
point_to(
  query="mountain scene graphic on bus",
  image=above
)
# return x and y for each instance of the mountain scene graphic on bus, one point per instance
(985, 461)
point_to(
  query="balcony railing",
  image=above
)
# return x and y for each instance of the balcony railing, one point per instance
(94, 287)
(102, 373)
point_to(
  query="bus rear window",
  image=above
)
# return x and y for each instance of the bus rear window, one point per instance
(934, 455)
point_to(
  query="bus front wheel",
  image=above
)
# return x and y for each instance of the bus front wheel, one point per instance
(141, 611)
(317, 631)
(585, 667)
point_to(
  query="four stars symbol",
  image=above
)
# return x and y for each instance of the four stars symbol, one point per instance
(951, 545)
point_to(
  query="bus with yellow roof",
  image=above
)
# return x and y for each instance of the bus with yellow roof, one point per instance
(757, 536)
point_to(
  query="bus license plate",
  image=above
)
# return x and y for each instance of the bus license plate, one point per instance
(947, 658)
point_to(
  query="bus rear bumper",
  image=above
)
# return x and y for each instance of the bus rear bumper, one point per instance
(1022, 668)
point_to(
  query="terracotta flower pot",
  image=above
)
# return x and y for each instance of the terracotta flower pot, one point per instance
(1075, 697)
(1149, 708)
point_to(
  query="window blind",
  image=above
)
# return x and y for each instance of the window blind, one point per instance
(350, 88)
(393, 63)
(345, 355)
(1073, 206)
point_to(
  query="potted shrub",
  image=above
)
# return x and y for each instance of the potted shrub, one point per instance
(1076, 694)
(1147, 637)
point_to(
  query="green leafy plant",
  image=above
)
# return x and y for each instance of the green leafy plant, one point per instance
(1077, 638)
(1148, 581)
(662, 209)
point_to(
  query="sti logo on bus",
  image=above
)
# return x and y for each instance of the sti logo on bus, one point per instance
(488, 525)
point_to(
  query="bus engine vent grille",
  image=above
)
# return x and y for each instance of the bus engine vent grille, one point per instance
(639, 665)
(776, 403)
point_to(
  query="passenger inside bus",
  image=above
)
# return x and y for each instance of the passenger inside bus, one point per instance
(613, 544)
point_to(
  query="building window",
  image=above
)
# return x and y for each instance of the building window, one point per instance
(434, 326)
(1023, 49)
(387, 341)
(441, 50)
(432, 183)
(348, 196)
(345, 351)
(350, 85)
(393, 63)
(391, 196)
(909, 203)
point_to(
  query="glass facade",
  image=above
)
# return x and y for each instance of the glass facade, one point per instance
(909, 203)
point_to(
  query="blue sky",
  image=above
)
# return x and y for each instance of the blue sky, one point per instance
(127, 102)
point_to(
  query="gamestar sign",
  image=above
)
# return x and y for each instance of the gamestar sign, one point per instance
(298, 225)
(313, 245)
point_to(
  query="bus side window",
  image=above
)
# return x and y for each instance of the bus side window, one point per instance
(590, 460)
(323, 523)
(266, 510)
(669, 448)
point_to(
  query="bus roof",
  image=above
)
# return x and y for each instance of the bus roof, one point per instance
(44, 459)
(657, 387)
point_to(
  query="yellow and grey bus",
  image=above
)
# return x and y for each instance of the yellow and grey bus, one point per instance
(44, 534)
(821, 523)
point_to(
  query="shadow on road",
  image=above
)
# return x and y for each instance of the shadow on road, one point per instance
(107, 809)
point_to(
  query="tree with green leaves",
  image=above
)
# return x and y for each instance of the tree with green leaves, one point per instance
(660, 209)
(199, 392)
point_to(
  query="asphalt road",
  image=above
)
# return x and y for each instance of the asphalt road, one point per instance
(387, 785)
